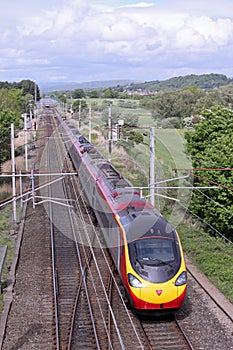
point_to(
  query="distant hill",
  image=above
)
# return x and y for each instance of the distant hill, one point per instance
(69, 86)
(204, 81)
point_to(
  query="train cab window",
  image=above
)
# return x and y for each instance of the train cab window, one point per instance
(154, 251)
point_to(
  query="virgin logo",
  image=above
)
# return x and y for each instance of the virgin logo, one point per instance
(159, 292)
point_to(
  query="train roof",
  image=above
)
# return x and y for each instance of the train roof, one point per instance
(148, 223)
(125, 198)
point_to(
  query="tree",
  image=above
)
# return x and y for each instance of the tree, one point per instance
(11, 100)
(94, 93)
(6, 118)
(109, 93)
(78, 93)
(62, 97)
(11, 106)
(210, 144)
(176, 104)
(164, 105)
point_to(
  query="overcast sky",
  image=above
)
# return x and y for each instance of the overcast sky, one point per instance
(86, 40)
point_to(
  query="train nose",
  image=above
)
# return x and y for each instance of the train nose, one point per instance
(162, 296)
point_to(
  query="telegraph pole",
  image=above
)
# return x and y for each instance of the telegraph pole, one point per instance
(89, 117)
(35, 93)
(35, 104)
(26, 141)
(109, 132)
(152, 165)
(79, 114)
(13, 171)
(30, 111)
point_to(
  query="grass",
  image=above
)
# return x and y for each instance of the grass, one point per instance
(211, 255)
(170, 148)
(9, 241)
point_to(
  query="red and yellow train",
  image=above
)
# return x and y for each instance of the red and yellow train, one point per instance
(145, 248)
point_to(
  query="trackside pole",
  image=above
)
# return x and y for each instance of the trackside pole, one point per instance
(33, 188)
(13, 171)
(152, 165)
(21, 188)
(79, 114)
(109, 132)
(89, 117)
(25, 142)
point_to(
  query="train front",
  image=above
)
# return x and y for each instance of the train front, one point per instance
(155, 272)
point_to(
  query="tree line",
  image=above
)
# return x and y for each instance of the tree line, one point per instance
(15, 99)
(175, 105)
(202, 81)
(210, 144)
(180, 108)
(26, 86)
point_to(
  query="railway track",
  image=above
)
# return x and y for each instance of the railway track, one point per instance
(165, 333)
(87, 308)
(81, 271)
(64, 264)
(109, 330)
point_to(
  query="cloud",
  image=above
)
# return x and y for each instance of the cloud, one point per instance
(117, 37)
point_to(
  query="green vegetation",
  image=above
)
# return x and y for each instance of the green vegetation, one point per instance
(26, 86)
(211, 255)
(126, 88)
(203, 81)
(173, 103)
(6, 239)
(210, 144)
(15, 99)
(6, 118)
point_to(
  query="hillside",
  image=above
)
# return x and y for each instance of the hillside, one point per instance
(204, 81)
(69, 86)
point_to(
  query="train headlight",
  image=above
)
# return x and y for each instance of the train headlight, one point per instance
(134, 282)
(182, 279)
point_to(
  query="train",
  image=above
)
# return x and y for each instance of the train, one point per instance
(145, 248)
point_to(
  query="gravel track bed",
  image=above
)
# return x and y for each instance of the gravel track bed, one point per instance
(31, 310)
(205, 324)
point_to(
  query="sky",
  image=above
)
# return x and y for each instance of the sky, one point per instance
(93, 40)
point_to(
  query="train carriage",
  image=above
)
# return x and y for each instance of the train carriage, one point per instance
(145, 248)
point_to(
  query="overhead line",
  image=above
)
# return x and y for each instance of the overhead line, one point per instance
(213, 182)
(193, 169)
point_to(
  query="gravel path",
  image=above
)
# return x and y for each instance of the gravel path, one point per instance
(32, 297)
